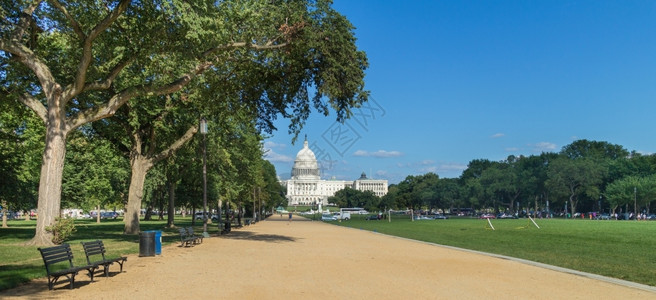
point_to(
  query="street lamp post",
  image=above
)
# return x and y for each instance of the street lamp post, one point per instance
(203, 131)
(635, 203)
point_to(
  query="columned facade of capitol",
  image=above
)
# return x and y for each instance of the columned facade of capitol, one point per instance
(307, 188)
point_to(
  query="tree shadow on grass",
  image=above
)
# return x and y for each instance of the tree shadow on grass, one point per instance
(251, 236)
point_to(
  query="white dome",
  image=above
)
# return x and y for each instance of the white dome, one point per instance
(305, 165)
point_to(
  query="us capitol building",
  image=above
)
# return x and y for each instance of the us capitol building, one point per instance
(307, 188)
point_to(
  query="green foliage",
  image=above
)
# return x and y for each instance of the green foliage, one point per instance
(62, 230)
(575, 178)
(594, 150)
(96, 175)
(349, 197)
(21, 143)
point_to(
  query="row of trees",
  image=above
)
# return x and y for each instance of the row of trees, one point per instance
(130, 80)
(584, 175)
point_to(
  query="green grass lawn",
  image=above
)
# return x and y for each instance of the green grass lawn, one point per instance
(20, 263)
(619, 249)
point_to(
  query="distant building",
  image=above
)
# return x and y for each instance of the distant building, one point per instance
(307, 188)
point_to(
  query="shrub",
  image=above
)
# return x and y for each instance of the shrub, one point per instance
(61, 230)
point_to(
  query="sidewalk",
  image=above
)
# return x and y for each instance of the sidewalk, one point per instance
(277, 259)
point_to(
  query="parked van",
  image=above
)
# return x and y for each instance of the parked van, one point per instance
(344, 215)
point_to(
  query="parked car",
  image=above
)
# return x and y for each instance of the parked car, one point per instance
(603, 217)
(84, 216)
(487, 216)
(108, 215)
(372, 217)
(506, 216)
(326, 217)
(440, 217)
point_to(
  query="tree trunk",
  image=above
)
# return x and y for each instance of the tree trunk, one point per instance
(160, 214)
(171, 210)
(4, 214)
(140, 167)
(50, 182)
(535, 211)
(572, 204)
(98, 214)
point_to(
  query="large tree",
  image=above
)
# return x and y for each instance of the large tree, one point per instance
(574, 178)
(76, 63)
(594, 149)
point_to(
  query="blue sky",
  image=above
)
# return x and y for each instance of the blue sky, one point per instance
(454, 81)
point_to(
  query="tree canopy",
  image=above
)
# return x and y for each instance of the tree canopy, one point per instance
(77, 63)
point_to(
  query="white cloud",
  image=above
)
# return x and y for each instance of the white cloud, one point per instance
(453, 167)
(497, 135)
(426, 166)
(544, 147)
(271, 145)
(274, 157)
(429, 169)
(378, 154)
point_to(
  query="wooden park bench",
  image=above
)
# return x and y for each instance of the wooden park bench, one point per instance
(95, 251)
(185, 239)
(198, 238)
(55, 257)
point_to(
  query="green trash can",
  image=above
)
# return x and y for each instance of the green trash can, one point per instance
(146, 243)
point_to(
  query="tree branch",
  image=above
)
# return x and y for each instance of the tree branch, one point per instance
(35, 105)
(269, 45)
(87, 43)
(105, 84)
(109, 108)
(26, 57)
(24, 22)
(176, 145)
(113, 104)
(76, 26)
